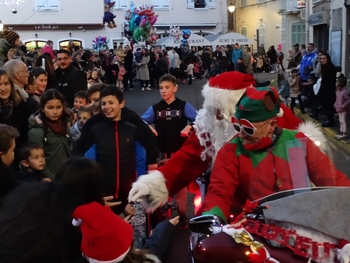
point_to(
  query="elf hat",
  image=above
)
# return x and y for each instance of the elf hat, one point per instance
(106, 237)
(10, 36)
(223, 91)
(258, 104)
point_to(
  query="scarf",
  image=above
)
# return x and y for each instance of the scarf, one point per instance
(6, 109)
(57, 127)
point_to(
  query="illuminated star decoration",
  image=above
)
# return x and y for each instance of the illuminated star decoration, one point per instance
(12, 2)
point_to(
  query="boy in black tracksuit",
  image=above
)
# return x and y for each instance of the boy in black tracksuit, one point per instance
(170, 117)
(113, 141)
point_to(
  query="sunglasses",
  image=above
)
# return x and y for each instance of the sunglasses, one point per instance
(246, 126)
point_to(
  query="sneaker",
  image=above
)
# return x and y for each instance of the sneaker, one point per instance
(148, 88)
(143, 89)
(183, 221)
(338, 136)
(342, 136)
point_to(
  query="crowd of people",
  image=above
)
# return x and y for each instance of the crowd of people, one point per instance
(313, 80)
(60, 105)
(68, 103)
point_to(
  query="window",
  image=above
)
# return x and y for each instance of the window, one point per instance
(261, 34)
(64, 43)
(244, 31)
(211, 3)
(190, 3)
(298, 31)
(47, 5)
(161, 4)
(200, 4)
(121, 4)
(31, 45)
(243, 3)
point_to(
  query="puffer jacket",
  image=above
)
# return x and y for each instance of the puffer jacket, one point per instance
(57, 147)
(116, 154)
(4, 49)
(306, 62)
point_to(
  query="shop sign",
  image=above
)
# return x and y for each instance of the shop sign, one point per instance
(301, 4)
(318, 18)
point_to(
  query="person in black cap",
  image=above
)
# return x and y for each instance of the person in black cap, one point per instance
(8, 39)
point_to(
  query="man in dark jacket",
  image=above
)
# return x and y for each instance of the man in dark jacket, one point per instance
(128, 76)
(206, 62)
(69, 80)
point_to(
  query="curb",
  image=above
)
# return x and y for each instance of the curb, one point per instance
(329, 132)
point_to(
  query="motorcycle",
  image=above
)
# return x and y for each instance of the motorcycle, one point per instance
(278, 228)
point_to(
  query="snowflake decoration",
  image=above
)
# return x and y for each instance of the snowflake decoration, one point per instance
(17, 2)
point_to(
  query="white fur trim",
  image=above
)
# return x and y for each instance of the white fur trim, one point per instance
(221, 99)
(158, 193)
(153, 257)
(280, 113)
(119, 259)
(315, 133)
(77, 222)
(343, 254)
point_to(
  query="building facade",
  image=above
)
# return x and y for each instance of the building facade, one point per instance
(271, 22)
(80, 21)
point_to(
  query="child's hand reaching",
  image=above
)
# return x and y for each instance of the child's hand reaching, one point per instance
(46, 180)
(153, 130)
(127, 219)
(107, 200)
(130, 210)
(186, 131)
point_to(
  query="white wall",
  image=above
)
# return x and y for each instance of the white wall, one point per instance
(252, 16)
(91, 12)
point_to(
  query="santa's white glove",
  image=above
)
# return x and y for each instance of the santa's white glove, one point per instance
(151, 189)
(137, 191)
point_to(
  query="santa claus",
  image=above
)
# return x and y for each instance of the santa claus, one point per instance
(212, 129)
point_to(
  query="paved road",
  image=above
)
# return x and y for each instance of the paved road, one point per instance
(140, 101)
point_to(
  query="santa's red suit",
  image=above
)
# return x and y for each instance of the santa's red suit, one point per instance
(221, 94)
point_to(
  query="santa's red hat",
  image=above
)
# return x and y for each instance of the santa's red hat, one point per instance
(106, 237)
(223, 91)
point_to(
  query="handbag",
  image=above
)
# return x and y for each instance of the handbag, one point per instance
(317, 86)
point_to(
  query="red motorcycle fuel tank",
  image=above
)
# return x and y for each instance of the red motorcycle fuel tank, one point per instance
(222, 248)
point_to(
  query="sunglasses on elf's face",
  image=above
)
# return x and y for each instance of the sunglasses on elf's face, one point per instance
(246, 126)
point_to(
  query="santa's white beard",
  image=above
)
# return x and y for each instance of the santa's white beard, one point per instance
(212, 133)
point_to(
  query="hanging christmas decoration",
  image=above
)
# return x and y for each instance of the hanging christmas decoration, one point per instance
(100, 43)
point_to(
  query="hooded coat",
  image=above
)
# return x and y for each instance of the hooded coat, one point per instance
(57, 147)
(4, 49)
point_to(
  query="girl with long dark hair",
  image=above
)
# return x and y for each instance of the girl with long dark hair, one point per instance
(49, 128)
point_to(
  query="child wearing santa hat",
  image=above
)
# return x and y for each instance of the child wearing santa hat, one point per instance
(108, 238)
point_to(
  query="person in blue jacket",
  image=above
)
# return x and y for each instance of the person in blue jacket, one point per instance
(236, 54)
(308, 62)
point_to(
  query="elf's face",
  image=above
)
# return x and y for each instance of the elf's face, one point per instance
(254, 132)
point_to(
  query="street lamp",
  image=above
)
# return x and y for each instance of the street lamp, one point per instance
(1, 26)
(231, 8)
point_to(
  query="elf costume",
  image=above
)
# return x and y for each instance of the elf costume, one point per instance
(289, 160)
(221, 95)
